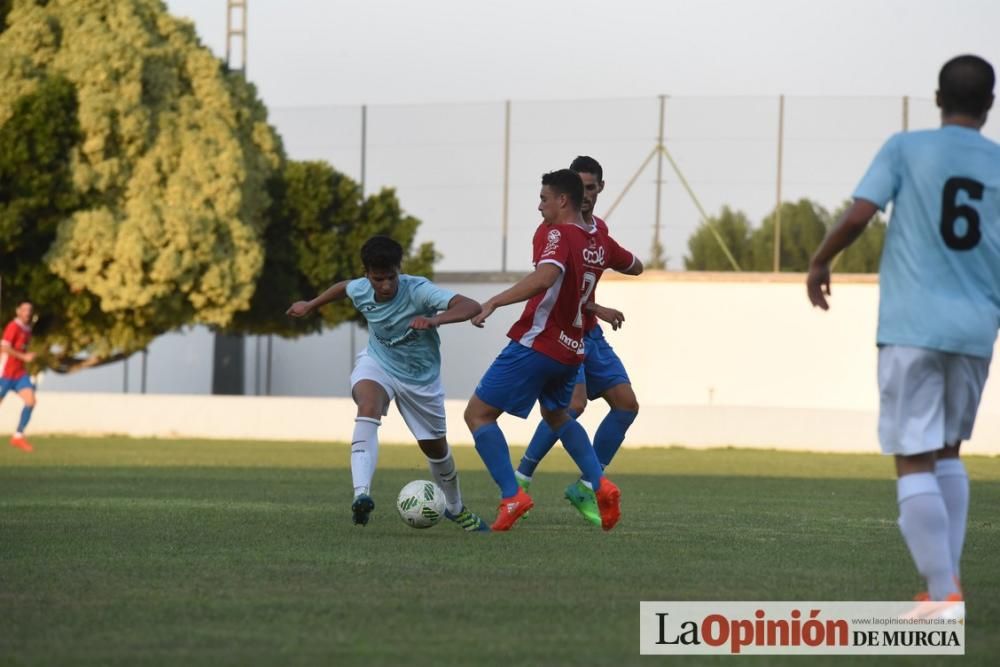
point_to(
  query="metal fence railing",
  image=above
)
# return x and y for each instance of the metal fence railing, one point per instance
(470, 172)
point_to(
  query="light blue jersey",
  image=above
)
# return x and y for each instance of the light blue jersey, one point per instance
(939, 280)
(407, 354)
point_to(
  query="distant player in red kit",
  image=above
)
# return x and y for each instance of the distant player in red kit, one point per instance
(547, 346)
(13, 375)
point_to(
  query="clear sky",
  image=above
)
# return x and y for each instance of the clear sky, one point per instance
(311, 52)
(844, 65)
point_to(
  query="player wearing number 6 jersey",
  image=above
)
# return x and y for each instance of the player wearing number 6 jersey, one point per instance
(939, 307)
(547, 346)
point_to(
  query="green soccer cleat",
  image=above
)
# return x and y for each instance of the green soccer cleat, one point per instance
(583, 499)
(361, 509)
(525, 484)
(468, 521)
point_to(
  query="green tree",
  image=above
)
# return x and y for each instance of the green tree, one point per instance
(705, 251)
(864, 254)
(168, 179)
(803, 226)
(5, 6)
(36, 192)
(320, 221)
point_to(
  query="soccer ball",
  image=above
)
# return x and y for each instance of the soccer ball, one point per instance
(421, 504)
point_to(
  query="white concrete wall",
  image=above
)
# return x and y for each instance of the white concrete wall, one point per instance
(715, 359)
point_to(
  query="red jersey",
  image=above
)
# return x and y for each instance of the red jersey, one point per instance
(18, 336)
(552, 322)
(538, 242)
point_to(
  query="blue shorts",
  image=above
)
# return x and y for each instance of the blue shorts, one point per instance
(519, 376)
(601, 368)
(23, 382)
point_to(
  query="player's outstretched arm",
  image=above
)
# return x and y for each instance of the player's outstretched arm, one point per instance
(843, 234)
(460, 309)
(633, 270)
(622, 260)
(543, 277)
(331, 294)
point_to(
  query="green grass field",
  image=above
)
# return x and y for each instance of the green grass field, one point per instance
(160, 552)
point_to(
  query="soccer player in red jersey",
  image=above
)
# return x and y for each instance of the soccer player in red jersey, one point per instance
(13, 374)
(602, 373)
(547, 346)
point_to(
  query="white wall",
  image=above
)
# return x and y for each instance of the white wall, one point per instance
(715, 359)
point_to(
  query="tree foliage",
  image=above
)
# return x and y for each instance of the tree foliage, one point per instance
(320, 221)
(804, 224)
(705, 253)
(168, 176)
(864, 255)
(142, 189)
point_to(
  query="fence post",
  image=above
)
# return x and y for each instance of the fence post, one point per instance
(658, 261)
(506, 186)
(777, 209)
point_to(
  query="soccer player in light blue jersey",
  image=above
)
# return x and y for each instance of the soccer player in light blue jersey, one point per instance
(939, 308)
(402, 362)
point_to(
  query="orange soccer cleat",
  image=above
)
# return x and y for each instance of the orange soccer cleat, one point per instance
(609, 503)
(511, 509)
(20, 442)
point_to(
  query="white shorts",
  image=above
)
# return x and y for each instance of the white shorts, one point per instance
(422, 406)
(928, 398)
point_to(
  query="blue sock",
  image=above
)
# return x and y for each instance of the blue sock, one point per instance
(540, 445)
(577, 444)
(25, 416)
(493, 450)
(611, 433)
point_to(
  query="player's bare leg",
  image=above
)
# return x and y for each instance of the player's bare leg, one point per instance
(578, 403)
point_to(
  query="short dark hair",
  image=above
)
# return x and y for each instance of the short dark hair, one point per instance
(965, 85)
(381, 253)
(565, 182)
(584, 164)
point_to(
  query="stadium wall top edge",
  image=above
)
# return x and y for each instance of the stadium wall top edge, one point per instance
(661, 276)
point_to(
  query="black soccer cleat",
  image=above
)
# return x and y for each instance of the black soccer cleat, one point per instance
(361, 509)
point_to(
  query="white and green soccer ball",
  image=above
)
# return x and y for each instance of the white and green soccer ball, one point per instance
(421, 504)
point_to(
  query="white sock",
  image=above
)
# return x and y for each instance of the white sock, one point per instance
(446, 476)
(954, 484)
(923, 520)
(520, 475)
(364, 453)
